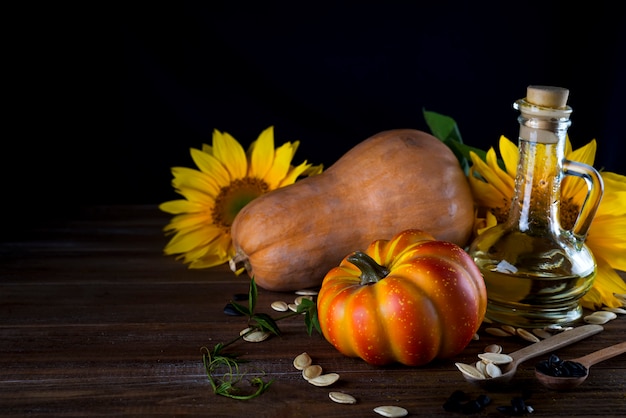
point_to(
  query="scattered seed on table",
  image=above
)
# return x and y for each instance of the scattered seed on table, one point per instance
(324, 379)
(391, 411)
(229, 309)
(615, 310)
(302, 361)
(527, 335)
(498, 332)
(341, 397)
(312, 371)
(600, 317)
(298, 300)
(493, 348)
(511, 330)
(280, 306)
(255, 336)
(307, 292)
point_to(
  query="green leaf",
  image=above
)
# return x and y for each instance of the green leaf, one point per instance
(266, 323)
(442, 127)
(252, 295)
(240, 308)
(447, 131)
(311, 320)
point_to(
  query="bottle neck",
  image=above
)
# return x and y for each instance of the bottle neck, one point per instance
(535, 205)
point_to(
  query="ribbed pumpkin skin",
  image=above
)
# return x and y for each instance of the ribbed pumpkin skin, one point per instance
(428, 304)
(395, 180)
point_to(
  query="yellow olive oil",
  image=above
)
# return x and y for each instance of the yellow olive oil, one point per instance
(536, 271)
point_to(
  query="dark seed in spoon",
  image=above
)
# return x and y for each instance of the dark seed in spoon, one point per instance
(556, 367)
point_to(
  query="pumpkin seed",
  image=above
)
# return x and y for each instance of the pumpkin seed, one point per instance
(280, 306)
(391, 411)
(492, 370)
(324, 379)
(255, 336)
(341, 397)
(498, 332)
(511, 330)
(481, 366)
(475, 337)
(293, 307)
(311, 372)
(470, 370)
(600, 317)
(307, 292)
(496, 358)
(553, 328)
(614, 310)
(621, 296)
(527, 335)
(302, 361)
(298, 300)
(493, 348)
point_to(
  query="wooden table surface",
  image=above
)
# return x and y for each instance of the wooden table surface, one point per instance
(95, 320)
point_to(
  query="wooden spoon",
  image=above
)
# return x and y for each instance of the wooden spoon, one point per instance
(563, 382)
(555, 342)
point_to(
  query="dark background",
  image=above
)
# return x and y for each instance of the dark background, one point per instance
(110, 96)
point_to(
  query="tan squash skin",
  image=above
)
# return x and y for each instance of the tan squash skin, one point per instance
(289, 238)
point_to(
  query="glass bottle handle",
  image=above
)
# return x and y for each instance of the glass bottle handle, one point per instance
(595, 190)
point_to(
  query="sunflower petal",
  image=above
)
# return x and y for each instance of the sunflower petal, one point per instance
(294, 173)
(605, 285)
(181, 206)
(485, 170)
(215, 255)
(189, 178)
(212, 166)
(261, 154)
(185, 241)
(585, 154)
(189, 221)
(282, 163)
(230, 153)
(510, 155)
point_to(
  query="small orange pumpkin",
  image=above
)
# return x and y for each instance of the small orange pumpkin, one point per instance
(409, 299)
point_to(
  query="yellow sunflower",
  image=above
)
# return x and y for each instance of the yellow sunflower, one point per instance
(228, 178)
(493, 189)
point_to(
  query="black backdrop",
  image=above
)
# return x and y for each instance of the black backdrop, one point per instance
(111, 95)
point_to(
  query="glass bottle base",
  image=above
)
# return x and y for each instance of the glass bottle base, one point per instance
(532, 316)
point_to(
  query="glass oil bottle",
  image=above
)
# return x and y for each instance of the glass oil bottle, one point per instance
(535, 271)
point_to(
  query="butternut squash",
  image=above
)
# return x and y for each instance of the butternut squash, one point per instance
(399, 179)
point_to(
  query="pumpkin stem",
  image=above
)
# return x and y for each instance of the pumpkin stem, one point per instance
(239, 262)
(371, 271)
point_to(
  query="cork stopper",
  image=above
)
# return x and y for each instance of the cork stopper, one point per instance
(547, 96)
